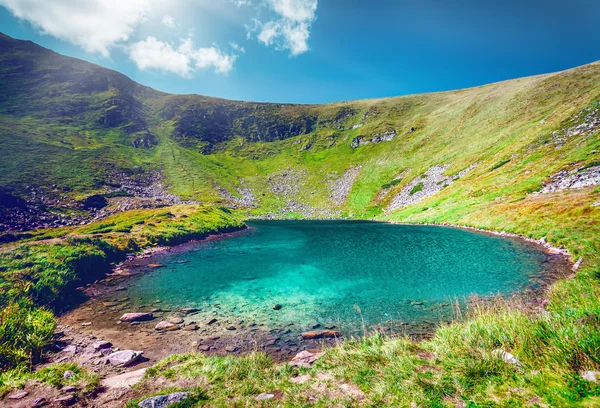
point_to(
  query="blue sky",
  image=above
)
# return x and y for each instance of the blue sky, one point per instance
(313, 51)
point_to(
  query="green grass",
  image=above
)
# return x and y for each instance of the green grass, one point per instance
(42, 275)
(505, 128)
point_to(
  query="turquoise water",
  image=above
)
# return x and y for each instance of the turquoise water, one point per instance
(321, 271)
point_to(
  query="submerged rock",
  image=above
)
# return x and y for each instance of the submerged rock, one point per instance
(320, 334)
(166, 326)
(135, 317)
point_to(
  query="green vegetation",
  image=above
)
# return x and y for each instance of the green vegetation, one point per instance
(42, 275)
(416, 189)
(76, 131)
(51, 375)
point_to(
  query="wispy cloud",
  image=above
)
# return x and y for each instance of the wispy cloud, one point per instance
(95, 25)
(183, 60)
(169, 21)
(289, 27)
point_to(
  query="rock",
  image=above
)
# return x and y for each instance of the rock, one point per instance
(68, 374)
(211, 321)
(507, 357)
(135, 317)
(204, 347)
(100, 345)
(189, 310)
(231, 349)
(124, 357)
(577, 264)
(163, 401)
(86, 324)
(125, 380)
(277, 307)
(190, 327)
(18, 395)
(320, 334)
(231, 328)
(305, 359)
(66, 400)
(155, 265)
(38, 402)
(71, 348)
(68, 388)
(264, 396)
(175, 320)
(591, 376)
(166, 326)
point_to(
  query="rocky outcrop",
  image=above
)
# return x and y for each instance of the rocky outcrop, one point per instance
(426, 185)
(573, 179)
(384, 136)
(164, 401)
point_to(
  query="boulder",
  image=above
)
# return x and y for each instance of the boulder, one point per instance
(124, 357)
(100, 345)
(163, 401)
(211, 321)
(277, 307)
(320, 334)
(125, 380)
(166, 326)
(189, 310)
(135, 317)
(305, 359)
(175, 320)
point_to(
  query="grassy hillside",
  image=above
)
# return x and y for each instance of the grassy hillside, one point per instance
(519, 156)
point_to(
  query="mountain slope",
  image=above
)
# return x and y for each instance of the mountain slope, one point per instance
(70, 129)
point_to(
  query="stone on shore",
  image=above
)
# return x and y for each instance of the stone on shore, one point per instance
(189, 310)
(18, 395)
(100, 345)
(163, 401)
(166, 326)
(305, 359)
(124, 357)
(320, 334)
(126, 380)
(135, 317)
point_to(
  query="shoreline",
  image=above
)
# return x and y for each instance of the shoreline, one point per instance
(97, 318)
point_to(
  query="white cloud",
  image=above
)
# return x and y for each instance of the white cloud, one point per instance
(182, 60)
(95, 25)
(169, 21)
(290, 27)
(237, 47)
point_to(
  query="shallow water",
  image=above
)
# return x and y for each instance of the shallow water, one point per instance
(325, 271)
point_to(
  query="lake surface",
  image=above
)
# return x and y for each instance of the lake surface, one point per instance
(324, 272)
